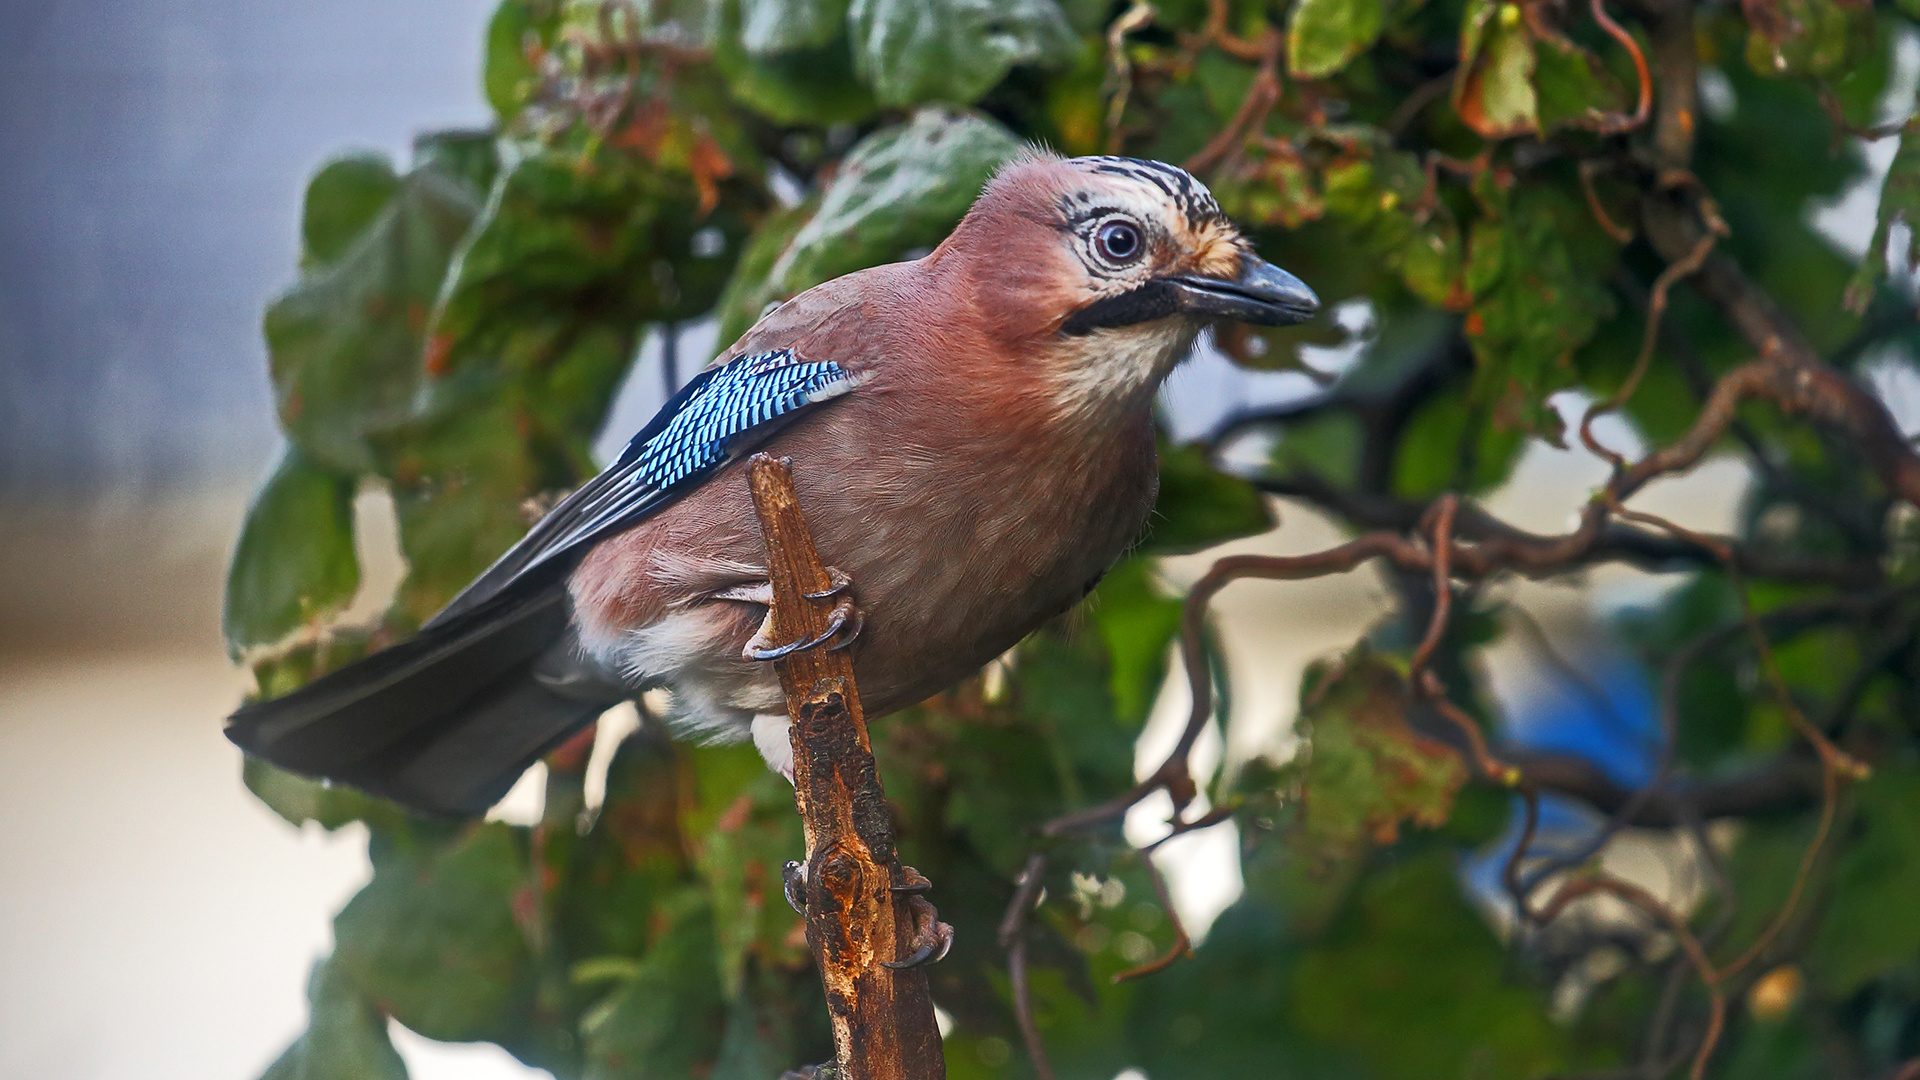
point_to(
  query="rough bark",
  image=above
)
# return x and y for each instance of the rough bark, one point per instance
(883, 1021)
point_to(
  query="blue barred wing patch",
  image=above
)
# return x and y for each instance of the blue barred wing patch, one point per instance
(712, 420)
(740, 395)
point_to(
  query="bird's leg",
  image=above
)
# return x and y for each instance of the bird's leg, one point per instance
(844, 622)
(931, 938)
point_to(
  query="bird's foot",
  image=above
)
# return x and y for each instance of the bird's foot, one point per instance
(844, 622)
(932, 939)
(793, 884)
(811, 1072)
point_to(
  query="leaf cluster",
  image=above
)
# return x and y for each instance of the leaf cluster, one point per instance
(1492, 182)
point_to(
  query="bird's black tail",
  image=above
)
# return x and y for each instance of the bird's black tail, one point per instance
(445, 721)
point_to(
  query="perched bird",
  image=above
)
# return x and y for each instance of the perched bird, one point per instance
(973, 441)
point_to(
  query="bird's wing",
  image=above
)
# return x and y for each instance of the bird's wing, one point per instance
(722, 414)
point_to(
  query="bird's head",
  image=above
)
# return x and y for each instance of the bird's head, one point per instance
(1106, 267)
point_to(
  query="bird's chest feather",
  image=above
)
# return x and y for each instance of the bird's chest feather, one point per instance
(969, 534)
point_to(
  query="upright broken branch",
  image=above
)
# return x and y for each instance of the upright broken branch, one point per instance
(858, 915)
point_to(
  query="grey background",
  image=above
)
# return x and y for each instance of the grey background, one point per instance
(152, 157)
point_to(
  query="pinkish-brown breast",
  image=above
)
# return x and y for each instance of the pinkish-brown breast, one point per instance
(947, 484)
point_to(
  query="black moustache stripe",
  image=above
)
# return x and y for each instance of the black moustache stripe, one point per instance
(1154, 300)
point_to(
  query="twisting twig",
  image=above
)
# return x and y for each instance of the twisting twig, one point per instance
(1182, 946)
(1216, 33)
(1650, 335)
(1421, 676)
(1588, 170)
(1119, 81)
(1682, 933)
(1013, 938)
(1616, 123)
(1251, 117)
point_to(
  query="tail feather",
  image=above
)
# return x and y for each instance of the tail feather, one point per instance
(443, 722)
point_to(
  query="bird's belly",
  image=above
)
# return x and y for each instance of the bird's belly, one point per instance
(979, 582)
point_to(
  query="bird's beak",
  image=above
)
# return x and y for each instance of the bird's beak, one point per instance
(1263, 294)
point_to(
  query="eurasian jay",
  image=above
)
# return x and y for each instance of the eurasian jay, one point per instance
(974, 447)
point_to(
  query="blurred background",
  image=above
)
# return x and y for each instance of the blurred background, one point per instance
(152, 160)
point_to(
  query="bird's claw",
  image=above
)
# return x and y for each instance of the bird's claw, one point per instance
(844, 624)
(932, 939)
(841, 581)
(793, 884)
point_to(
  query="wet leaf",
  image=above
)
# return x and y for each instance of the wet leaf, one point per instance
(1324, 35)
(295, 564)
(911, 51)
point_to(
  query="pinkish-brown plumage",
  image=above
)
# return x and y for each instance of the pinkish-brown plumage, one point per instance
(969, 498)
(993, 458)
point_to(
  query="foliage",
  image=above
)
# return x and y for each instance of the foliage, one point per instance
(1528, 197)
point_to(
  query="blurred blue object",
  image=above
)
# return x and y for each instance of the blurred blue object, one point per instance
(1599, 705)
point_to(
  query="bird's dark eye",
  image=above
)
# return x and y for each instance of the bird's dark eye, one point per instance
(1119, 241)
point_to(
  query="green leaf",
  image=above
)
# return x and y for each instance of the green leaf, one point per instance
(435, 941)
(460, 474)
(1536, 302)
(344, 344)
(1574, 89)
(1137, 621)
(1412, 981)
(343, 199)
(1877, 875)
(952, 50)
(1493, 89)
(1200, 506)
(1380, 195)
(1324, 35)
(1805, 37)
(667, 1020)
(748, 829)
(295, 564)
(1899, 202)
(1362, 772)
(299, 799)
(346, 1037)
(511, 76)
(1453, 444)
(898, 189)
(812, 86)
(777, 26)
